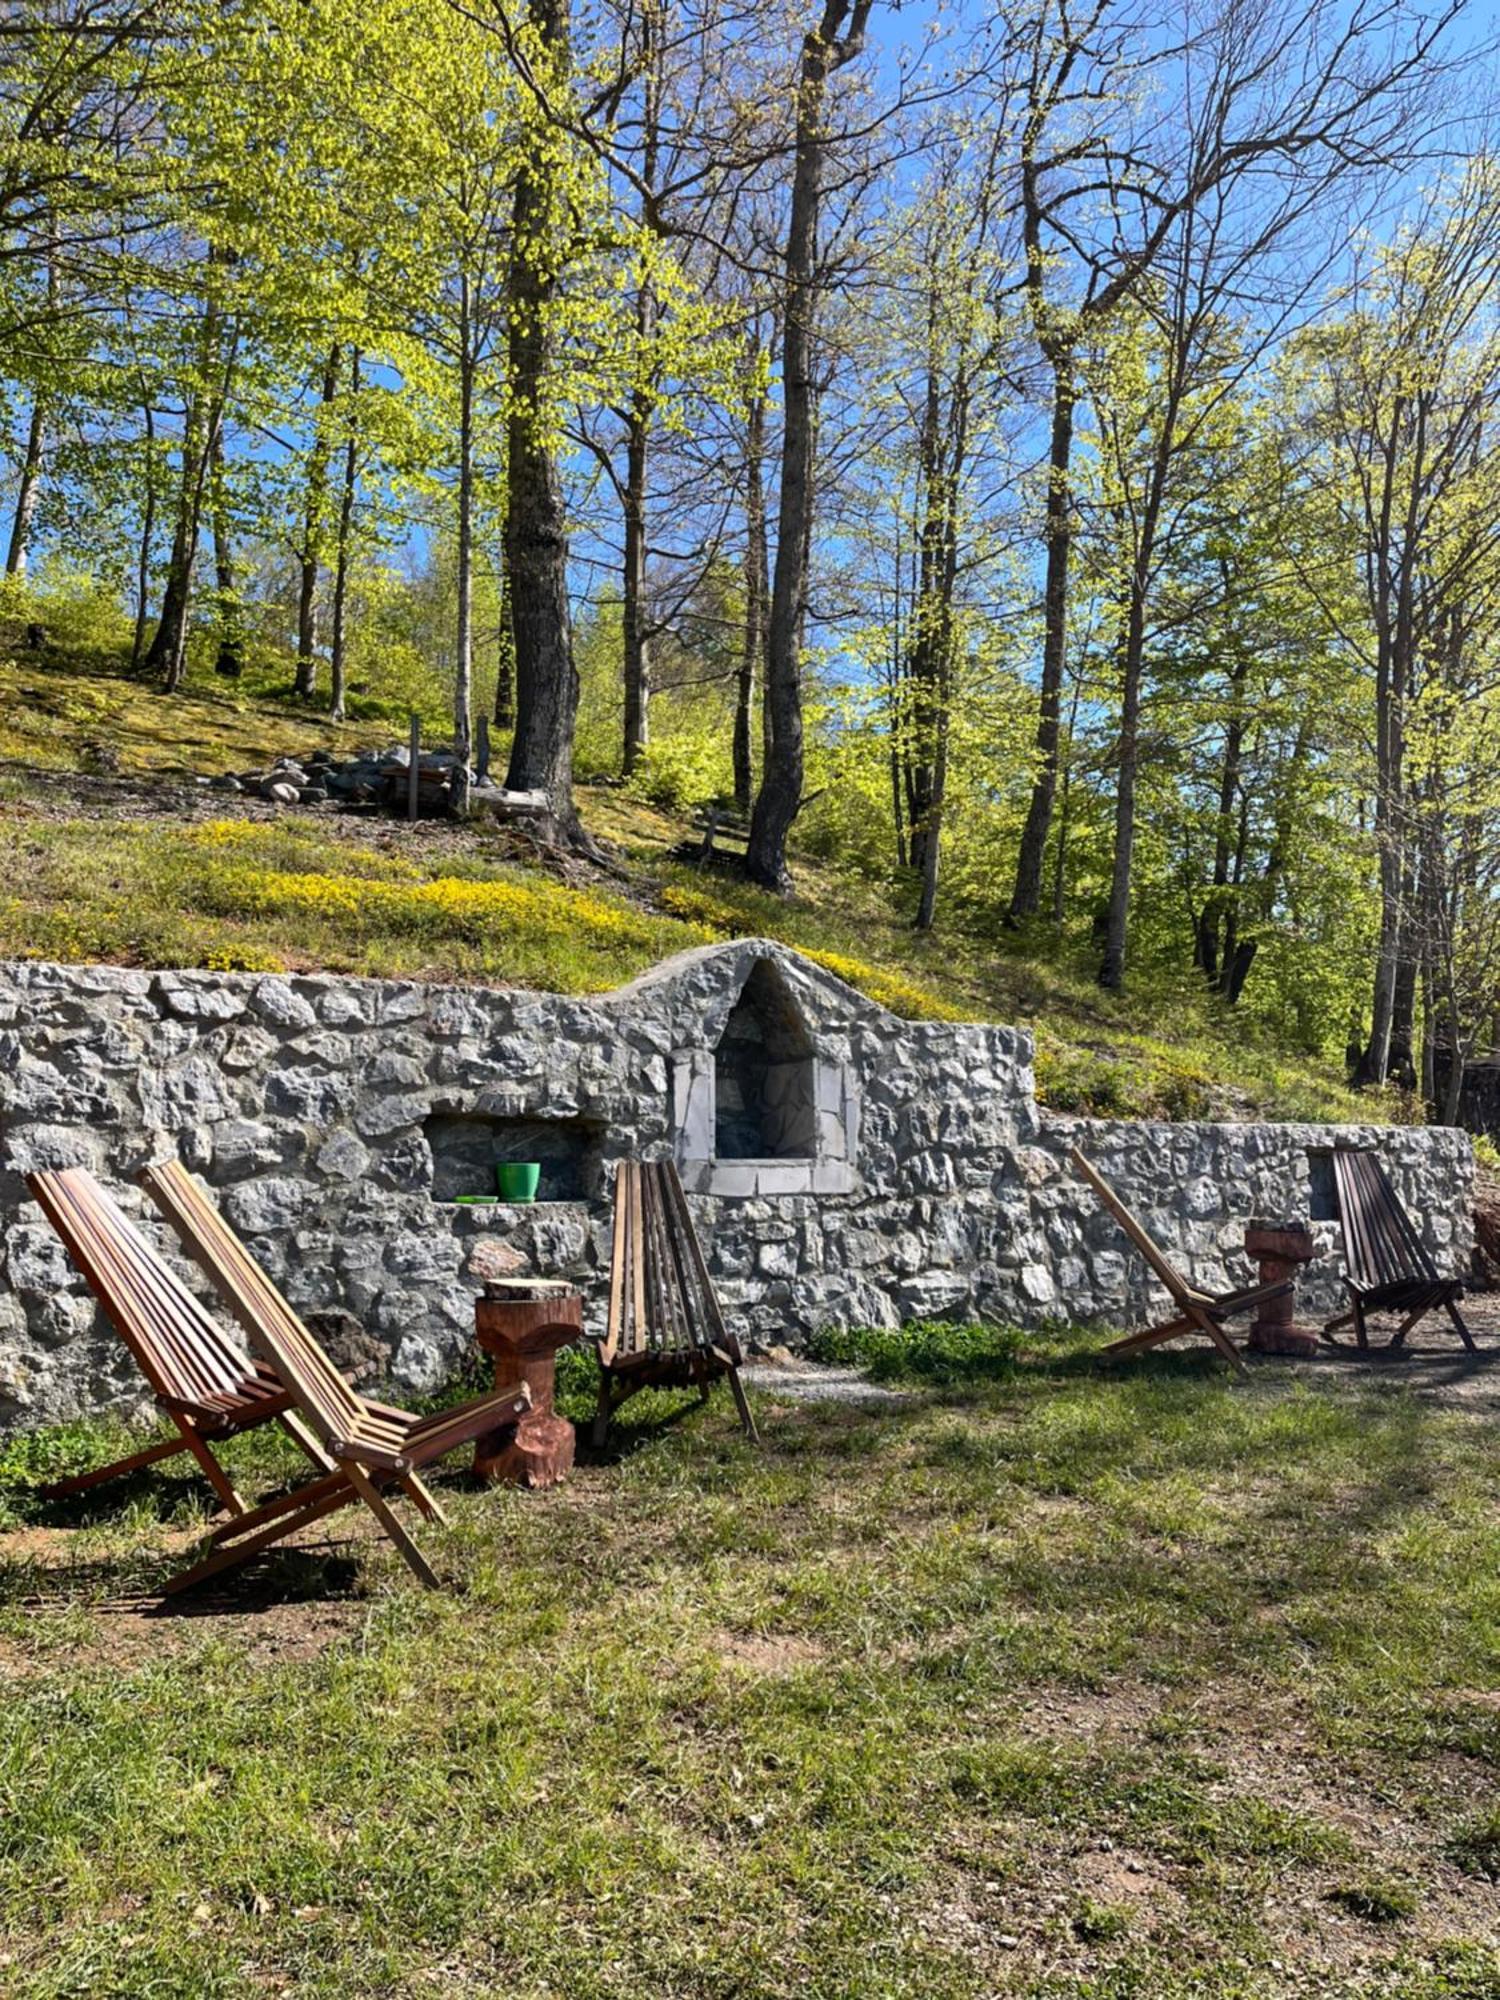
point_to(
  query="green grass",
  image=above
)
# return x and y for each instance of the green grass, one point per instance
(1058, 1682)
(92, 877)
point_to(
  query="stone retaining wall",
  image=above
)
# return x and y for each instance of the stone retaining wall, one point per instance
(330, 1114)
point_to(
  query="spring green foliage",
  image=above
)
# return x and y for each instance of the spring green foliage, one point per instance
(359, 895)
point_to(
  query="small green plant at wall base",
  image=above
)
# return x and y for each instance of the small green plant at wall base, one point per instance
(937, 1351)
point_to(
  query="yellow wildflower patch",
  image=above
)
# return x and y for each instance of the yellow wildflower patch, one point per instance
(887, 989)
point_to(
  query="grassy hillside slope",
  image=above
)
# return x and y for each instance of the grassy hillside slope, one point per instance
(111, 850)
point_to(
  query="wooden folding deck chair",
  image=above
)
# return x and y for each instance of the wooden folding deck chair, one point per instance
(202, 1382)
(371, 1447)
(1386, 1265)
(1197, 1311)
(666, 1329)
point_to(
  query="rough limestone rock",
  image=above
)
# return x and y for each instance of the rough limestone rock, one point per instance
(907, 1170)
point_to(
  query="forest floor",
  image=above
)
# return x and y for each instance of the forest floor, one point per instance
(113, 849)
(1040, 1679)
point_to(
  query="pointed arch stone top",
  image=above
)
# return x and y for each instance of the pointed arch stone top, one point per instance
(765, 1097)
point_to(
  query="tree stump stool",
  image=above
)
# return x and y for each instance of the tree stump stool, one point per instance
(1280, 1249)
(521, 1323)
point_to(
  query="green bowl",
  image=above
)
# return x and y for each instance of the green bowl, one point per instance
(518, 1180)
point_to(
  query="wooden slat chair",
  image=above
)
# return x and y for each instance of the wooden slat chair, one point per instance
(201, 1381)
(1386, 1265)
(370, 1445)
(1197, 1311)
(666, 1329)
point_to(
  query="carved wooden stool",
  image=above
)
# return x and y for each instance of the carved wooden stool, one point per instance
(1280, 1249)
(522, 1322)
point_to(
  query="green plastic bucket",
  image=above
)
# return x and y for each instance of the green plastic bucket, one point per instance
(518, 1179)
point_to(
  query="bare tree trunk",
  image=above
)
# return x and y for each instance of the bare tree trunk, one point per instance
(505, 659)
(635, 610)
(780, 796)
(167, 653)
(1112, 969)
(1026, 896)
(148, 533)
(343, 559)
(752, 650)
(536, 547)
(26, 492)
(463, 665)
(230, 658)
(309, 556)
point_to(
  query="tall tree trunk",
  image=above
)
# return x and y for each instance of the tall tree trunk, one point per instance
(635, 612)
(309, 556)
(230, 658)
(752, 649)
(1064, 810)
(166, 656)
(1112, 968)
(505, 659)
(148, 534)
(1026, 896)
(780, 796)
(1211, 956)
(536, 546)
(27, 491)
(344, 553)
(167, 653)
(636, 609)
(1394, 555)
(463, 665)
(924, 669)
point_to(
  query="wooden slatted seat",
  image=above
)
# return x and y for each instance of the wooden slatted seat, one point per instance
(666, 1329)
(371, 1446)
(1197, 1311)
(1386, 1264)
(201, 1381)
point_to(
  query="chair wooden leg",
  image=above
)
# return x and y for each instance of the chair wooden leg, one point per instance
(1398, 1338)
(270, 1510)
(425, 1499)
(339, 1495)
(1148, 1336)
(1459, 1321)
(213, 1472)
(58, 1489)
(1210, 1326)
(375, 1500)
(737, 1390)
(1361, 1334)
(599, 1431)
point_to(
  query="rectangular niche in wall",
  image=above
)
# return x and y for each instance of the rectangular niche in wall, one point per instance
(1322, 1196)
(467, 1147)
(765, 1093)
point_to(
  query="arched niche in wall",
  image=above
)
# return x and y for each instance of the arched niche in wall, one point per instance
(765, 1103)
(761, 1110)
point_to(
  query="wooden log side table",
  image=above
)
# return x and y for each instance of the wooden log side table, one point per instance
(522, 1322)
(1280, 1249)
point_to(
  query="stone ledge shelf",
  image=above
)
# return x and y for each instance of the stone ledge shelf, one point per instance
(743, 1178)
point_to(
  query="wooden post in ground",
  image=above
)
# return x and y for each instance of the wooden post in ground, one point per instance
(411, 769)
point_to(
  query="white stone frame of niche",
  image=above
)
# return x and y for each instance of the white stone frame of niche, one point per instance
(831, 1170)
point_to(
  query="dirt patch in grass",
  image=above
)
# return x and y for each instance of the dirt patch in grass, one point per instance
(770, 1652)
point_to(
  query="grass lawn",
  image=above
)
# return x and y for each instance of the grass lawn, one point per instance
(1039, 1679)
